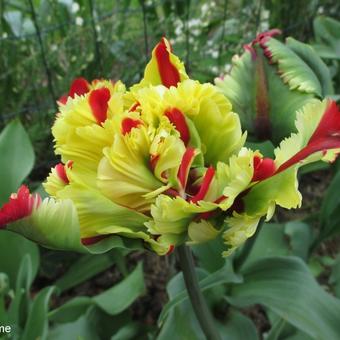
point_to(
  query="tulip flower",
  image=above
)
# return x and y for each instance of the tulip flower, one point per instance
(271, 81)
(164, 163)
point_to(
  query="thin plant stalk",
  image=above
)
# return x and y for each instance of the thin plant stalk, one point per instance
(198, 302)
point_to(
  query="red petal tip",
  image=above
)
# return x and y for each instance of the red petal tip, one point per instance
(79, 86)
(168, 72)
(98, 101)
(171, 249)
(263, 168)
(88, 241)
(177, 118)
(61, 172)
(129, 123)
(208, 177)
(20, 205)
(184, 168)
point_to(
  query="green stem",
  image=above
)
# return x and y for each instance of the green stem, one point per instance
(198, 302)
(247, 248)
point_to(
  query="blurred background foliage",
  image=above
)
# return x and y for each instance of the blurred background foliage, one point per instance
(44, 45)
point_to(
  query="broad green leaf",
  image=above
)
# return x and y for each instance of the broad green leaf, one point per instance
(17, 158)
(308, 55)
(114, 241)
(281, 329)
(82, 329)
(209, 253)
(330, 218)
(237, 326)
(113, 301)
(266, 148)
(285, 286)
(19, 307)
(86, 267)
(327, 36)
(334, 279)
(123, 294)
(242, 88)
(71, 310)
(276, 329)
(220, 277)
(127, 332)
(37, 322)
(182, 321)
(13, 248)
(312, 167)
(300, 238)
(271, 241)
(276, 239)
(293, 69)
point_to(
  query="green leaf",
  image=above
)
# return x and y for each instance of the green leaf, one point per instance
(19, 307)
(123, 294)
(237, 326)
(334, 279)
(181, 320)
(113, 301)
(83, 269)
(310, 57)
(17, 158)
(300, 238)
(330, 218)
(222, 276)
(276, 239)
(71, 310)
(271, 241)
(13, 248)
(127, 332)
(285, 286)
(327, 36)
(209, 253)
(37, 322)
(266, 148)
(241, 88)
(82, 329)
(294, 70)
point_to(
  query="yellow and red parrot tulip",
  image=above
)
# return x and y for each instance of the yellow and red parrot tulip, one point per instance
(162, 164)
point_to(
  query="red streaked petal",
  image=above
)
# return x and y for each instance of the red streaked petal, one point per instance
(208, 214)
(325, 137)
(177, 118)
(60, 169)
(98, 101)
(62, 100)
(20, 205)
(129, 123)
(263, 168)
(153, 161)
(87, 241)
(79, 86)
(171, 249)
(184, 168)
(69, 164)
(167, 71)
(134, 107)
(172, 192)
(321, 145)
(208, 177)
(329, 125)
